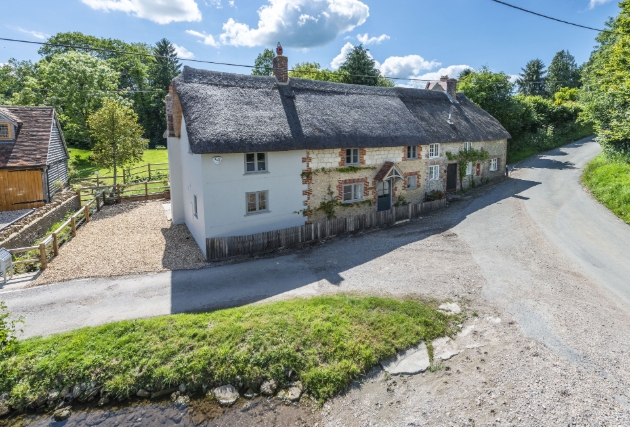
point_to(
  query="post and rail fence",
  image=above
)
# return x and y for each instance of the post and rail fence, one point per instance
(220, 248)
(147, 172)
(48, 248)
(147, 190)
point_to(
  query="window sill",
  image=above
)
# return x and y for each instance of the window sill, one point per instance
(256, 173)
(411, 158)
(349, 202)
(257, 213)
(412, 188)
(434, 157)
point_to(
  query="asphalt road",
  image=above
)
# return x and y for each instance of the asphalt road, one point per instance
(545, 189)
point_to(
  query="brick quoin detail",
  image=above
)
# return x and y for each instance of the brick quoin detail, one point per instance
(341, 183)
(307, 181)
(418, 176)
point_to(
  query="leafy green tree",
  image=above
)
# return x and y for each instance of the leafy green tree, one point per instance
(606, 86)
(359, 68)
(566, 95)
(161, 72)
(532, 80)
(313, 71)
(263, 65)
(117, 135)
(563, 72)
(13, 75)
(465, 73)
(76, 84)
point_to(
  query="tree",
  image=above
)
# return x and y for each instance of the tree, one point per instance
(360, 68)
(465, 72)
(117, 136)
(76, 84)
(13, 75)
(532, 79)
(566, 95)
(263, 65)
(313, 71)
(563, 72)
(161, 72)
(606, 91)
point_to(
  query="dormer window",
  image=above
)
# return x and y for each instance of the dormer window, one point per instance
(5, 131)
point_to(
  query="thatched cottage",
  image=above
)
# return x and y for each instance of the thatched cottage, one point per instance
(249, 154)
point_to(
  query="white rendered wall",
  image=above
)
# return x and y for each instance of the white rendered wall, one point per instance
(176, 179)
(192, 185)
(225, 186)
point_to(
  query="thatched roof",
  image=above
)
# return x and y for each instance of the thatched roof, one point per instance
(234, 113)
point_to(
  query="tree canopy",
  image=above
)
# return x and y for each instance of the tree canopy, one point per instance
(563, 72)
(263, 65)
(360, 68)
(532, 79)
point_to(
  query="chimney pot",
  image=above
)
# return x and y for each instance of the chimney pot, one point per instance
(444, 78)
(281, 66)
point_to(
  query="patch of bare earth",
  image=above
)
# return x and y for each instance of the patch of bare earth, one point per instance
(125, 239)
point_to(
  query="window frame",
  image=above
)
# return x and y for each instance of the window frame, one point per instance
(432, 151)
(415, 186)
(467, 146)
(257, 202)
(9, 136)
(256, 162)
(412, 152)
(494, 164)
(469, 168)
(437, 173)
(356, 190)
(350, 153)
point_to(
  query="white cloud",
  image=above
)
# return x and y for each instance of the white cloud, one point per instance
(406, 66)
(513, 77)
(595, 3)
(207, 38)
(215, 3)
(160, 11)
(231, 2)
(182, 52)
(363, 38)
(297, 23)
(345, 50)
(36, 34)
(451, 71)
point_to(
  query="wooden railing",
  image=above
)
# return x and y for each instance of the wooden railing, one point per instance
(218, 248)
(48, 248)
(125, 192)
(147, 172)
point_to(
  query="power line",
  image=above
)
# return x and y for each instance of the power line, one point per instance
(556, 19)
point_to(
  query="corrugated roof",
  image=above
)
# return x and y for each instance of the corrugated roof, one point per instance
(228, 113)
(31, 146)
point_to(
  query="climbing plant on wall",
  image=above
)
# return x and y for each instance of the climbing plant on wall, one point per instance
(464, 157)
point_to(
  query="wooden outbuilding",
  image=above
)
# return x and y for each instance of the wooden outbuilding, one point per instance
(33, 157)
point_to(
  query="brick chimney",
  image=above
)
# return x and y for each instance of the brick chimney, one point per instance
(451, 88)
(281, 66)
(444, 78)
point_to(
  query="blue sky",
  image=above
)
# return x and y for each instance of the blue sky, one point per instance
(421, 38)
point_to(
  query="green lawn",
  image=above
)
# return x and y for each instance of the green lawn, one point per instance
(328, 341)
(609, 181)
(80, 160)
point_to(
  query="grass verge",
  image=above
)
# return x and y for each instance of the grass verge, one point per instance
(80, 160)
(609, 181)
(328, 341)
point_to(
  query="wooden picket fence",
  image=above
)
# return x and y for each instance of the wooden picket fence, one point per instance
(219, 248)
(48, 249)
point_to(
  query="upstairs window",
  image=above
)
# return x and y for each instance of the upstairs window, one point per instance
(352, 156)
(255, 162)
(434, 151)
(467, 146)
(412, 152)
(5, 131)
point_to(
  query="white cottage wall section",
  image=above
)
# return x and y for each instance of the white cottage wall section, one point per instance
(226, 185)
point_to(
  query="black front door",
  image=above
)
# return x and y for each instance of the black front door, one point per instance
(383, 189)
(451, 177)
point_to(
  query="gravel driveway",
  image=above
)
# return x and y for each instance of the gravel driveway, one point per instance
(543, 265)
(125, 239)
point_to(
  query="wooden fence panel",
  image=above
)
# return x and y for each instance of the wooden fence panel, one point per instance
(238, 246)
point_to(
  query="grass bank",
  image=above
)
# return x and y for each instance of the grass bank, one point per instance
(609, 181)
(535, 143)
(327, 341)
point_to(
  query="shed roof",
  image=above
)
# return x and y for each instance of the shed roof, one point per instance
(31, 145)
(234, 113)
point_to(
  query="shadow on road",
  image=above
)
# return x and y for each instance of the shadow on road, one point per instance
(253, 280)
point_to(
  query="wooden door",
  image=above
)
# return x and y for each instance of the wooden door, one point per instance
(384, 193)
(22, 189)
(451, 177)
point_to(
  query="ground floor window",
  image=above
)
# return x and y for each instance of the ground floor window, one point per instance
(434, 172)
(257, 202)
(352, 193)
(494, 164)
(469, 168)
(412, 182)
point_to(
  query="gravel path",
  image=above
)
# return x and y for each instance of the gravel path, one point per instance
(125, 239)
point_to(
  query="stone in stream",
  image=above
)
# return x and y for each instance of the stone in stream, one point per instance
(76, 391)
(268, 388)
(182, 388)
(226, 395)
(409, 362)
(53, 395)
(103, 401)
(142, 393)
(62, 414)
